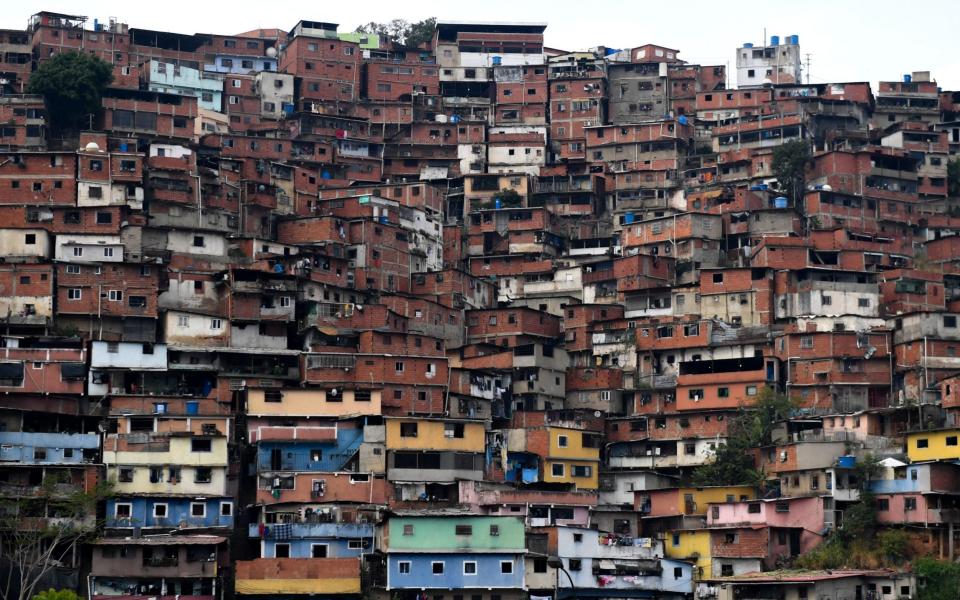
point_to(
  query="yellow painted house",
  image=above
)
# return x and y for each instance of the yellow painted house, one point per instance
(312, 403)
(690, 544)
(573, 456)
(435, 434)
(939, 444)
(167, 464)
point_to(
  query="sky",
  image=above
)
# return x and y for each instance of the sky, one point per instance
(848, 40)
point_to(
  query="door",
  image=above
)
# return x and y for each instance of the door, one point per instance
(276, 459)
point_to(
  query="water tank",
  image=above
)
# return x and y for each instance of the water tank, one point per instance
(748, 45)
(795, 39)
(455, 119)
(780, 202)
(497, 203)
(325, 175)
(92, 147)
(193, 407)
(907, 78)
(497, 61)
(628, 219)
(682, 119)
(774, 40)
(123, 147)
(440, 118)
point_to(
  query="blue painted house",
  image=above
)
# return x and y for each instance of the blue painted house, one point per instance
(146, 512)
(455, 552)
(313, 540)
(312, 456)
(27, 448)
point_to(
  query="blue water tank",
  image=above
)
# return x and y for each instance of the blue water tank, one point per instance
(774, 40)
(794, 39)
(123, 147)
(497, 61)
(780, 202)
(193, 407)
(748, 45)
(278, 268)
(628, 218)
(907, 78)
(497, 203)
(682, 119)
(455, 119)
(325, 175)
(610, 51)
(383, 220)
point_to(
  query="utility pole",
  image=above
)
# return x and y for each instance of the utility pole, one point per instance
(807, 68)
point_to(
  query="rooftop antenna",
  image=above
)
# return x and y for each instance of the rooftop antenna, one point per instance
(808, 68)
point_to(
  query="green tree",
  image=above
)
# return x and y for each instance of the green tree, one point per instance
(43, 531)
(71, 84)
(752, 427)
(421, 32)
(939, 579)
(52, 594)
(402, 32)
(790, 163)
(953, 178)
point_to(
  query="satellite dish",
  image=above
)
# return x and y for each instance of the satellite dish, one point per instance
(271, 52)
(597, 413)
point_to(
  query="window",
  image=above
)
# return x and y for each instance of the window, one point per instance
(751, 390)
(437, 567)
(677, 572)
(216, 324)
(281, 550)
(183, 321)
(952, 440)
(556, 469)
(125, 475)
(506, 567)
(226, 509)
(403, 567)
(923, 443)
(398, 366)
(408, 430)
(463, 530)
(883, 504)
(198, 241)
(74, 294)
(806, 342)
(200, 445)
(581, 471)
(562, 441)
(122, 510)
(203, 475)
(753, 508)
(949, 321)
(909, 504)
(77, 251)
(318, 550)
(469, 567)
(160, 511)
(494, 530)
(723, 392)
(116, 295)
(408, 530)
(108, 252)
(198, 509)
(574, 564)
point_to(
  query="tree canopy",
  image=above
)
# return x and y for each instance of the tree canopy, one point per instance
(401, 31)
(790, 162)
(71, 84)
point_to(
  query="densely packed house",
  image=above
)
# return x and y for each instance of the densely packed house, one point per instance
(333, 316)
